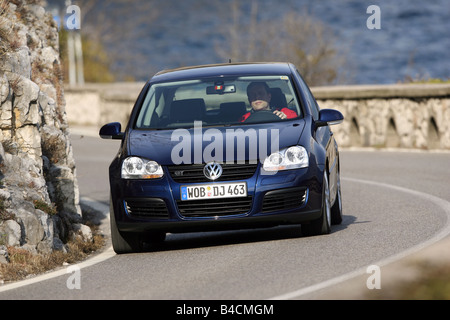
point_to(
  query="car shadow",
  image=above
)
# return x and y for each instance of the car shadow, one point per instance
(221, 238)
(232, 237)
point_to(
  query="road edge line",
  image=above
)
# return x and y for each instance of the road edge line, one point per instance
(104, 255)
(444, 232)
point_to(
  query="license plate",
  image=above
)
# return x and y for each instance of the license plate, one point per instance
(214, 191)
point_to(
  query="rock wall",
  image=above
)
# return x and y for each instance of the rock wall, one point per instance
(393, 116)
(39, 199)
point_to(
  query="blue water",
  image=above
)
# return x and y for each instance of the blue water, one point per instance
(413, 42)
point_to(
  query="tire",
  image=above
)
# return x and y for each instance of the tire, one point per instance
(123, 242)
(323, 224)
(336, 209)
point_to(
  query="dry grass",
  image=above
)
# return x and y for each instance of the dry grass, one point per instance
(3, 6)
(434, 284)
(24, 264)
(4, 31)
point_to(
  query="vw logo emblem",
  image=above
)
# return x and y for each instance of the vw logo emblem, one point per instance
(212, 170)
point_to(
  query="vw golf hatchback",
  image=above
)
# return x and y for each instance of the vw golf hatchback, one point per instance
(220, 147)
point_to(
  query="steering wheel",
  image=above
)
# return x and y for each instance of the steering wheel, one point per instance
(263, 115)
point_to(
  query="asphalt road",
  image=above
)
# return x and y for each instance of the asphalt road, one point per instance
(392, 203)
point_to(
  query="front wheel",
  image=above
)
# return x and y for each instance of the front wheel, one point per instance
(323, 224)
(336, 209)
(123, 242)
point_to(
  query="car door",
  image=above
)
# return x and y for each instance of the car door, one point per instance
(324, 136)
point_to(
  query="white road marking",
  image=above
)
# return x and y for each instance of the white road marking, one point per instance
(108, 253)
(445, 231)
(105, 255)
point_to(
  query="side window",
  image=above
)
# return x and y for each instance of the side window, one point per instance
(312, 104)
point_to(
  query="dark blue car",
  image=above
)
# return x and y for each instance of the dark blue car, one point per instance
(221, 147)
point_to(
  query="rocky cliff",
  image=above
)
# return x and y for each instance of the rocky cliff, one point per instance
(39, 202)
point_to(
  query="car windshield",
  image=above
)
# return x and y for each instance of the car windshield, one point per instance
(218, 102)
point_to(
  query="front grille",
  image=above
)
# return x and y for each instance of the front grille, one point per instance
(214, 207)
(284, 199)
(194, 172)
(147, 207)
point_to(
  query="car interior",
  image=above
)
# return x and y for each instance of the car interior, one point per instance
(181, 106)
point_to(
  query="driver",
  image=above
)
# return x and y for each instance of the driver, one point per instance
(259, 97)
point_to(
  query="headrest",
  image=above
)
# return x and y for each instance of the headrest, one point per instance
(187, 110)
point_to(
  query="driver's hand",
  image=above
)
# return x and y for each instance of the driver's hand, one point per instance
(280, 114)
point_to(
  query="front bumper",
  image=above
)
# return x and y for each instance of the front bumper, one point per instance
(288, 197)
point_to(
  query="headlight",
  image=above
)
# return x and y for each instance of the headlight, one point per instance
(138, 168)
(291, 158)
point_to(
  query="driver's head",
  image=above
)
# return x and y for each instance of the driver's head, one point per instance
(259, 95)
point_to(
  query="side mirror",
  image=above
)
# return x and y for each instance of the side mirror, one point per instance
(111, 131)
(329, 117)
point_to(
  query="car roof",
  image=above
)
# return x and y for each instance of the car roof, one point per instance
(228, 69)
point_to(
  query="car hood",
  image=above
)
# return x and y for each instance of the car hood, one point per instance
(221, 144)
